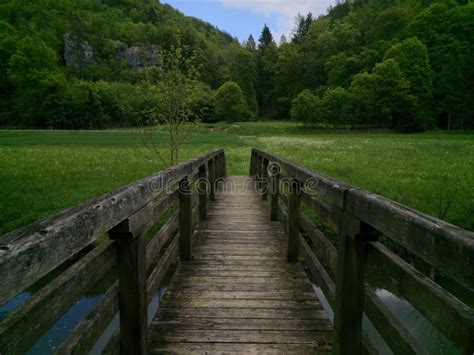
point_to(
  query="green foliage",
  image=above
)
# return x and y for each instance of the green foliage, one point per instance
(230, 103)
(412, 57)
(304, 108)
(345, 54)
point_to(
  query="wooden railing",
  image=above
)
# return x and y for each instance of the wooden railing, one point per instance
(73, 243)
(381, 245)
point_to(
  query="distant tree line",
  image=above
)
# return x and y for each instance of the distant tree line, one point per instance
(406, 65)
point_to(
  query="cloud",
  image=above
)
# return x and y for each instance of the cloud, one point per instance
(284, 10)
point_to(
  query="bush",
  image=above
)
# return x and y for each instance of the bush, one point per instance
(304, 108)
(336, 107)
(230, 103)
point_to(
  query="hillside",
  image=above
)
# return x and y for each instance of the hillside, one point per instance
(404, 65)
(60, 57)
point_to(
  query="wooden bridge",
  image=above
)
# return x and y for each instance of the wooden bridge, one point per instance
(247, 252)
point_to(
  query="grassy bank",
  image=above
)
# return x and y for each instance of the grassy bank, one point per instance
(44, 172)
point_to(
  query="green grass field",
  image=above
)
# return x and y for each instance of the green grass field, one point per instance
(45, 172)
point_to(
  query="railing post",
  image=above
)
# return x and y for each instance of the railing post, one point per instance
(294, 202)
(258, 173)
(349, 302)
(132, 285)
(224, 165)
(265, 184)
(275, 191)
(202, 190)
(185, 220)
(212, 179)
(253, 164)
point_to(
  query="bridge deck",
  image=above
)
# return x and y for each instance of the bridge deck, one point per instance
(239, 294)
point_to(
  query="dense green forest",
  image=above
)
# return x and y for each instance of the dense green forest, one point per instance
(407, 65)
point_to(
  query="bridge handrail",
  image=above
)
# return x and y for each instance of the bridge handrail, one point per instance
(66, 248)
(375, 234)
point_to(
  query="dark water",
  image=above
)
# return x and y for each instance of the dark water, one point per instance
(431, 339)
(61, 329)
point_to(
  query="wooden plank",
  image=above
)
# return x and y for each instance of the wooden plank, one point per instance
(448, 248)
(239, 348)
(164, 204)
(85, 334)
(323, 248)
(327, 187)
(177, 324)
(28, 254)
(319, 273)
(202, 189)
(132, 276)
(272, 295)
(323, 210)
(389, 271)
(160, 270)
(392, 330)
(279, 313)
(243, 336)
(241, 303)
(161, 238)
(185, 220)
(294, 220)
(350, 282)
(21, 328)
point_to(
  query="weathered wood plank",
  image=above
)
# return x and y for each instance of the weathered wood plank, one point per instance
(84, 335)
(389, 271)
(31, 252)
(243, 336)
(177, 324)
(279, 313)
(394, 333)
(448, 248)
(239, 287)
(19, 331)
(238, 348)
(161, 238)
(323, 248)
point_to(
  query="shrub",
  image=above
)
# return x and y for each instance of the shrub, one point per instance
(304, 108)
(230, 103)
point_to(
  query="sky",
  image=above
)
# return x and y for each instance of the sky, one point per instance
(243, 17)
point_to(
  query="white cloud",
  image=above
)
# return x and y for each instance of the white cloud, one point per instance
(284, 10)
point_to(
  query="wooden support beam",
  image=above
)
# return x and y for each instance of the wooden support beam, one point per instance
(202, 190)
(349, 307)
(294, 204)
(275, 190)
(185, 220)
(132, 287)
(265, 181)
(212, 179)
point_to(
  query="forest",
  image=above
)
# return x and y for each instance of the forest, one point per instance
(405, 65)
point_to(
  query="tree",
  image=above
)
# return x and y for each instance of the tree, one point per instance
(267, 56)
(266, 38)
(35, 77)
(412, 58)
(336, 107)
(250, 44)
(302, 27)
(242, 69)
(304, 108)
(283, 40)
(384, 97)
(176, 82)
(230, 103)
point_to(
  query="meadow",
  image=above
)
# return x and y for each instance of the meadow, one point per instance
(43, 172)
